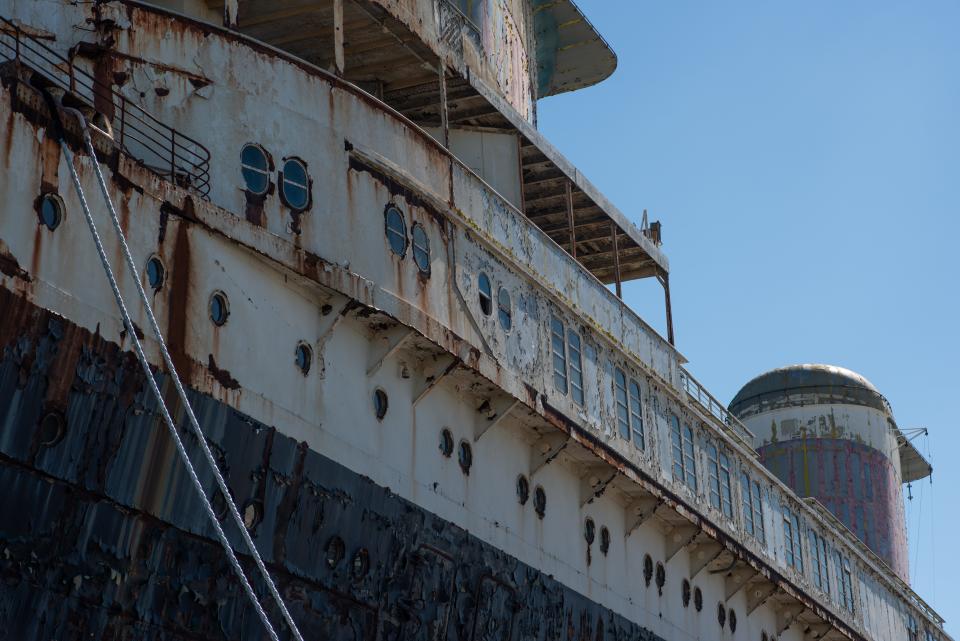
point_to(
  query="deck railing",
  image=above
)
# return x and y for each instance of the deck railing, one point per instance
(136, 132)
(705, 399)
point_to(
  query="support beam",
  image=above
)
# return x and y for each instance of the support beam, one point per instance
(491, 413)
(678, 538)
(595, 481)
(737, 578)
(432, 373)
(546, 449)
(338, 37)
(703, 555)
(786, 615)
(639, 511)
(819, 630)
(758, 594)
(386, 345)
(331, 314)
(570, 226)
(616, 260)
(664, 279)
(444, 115)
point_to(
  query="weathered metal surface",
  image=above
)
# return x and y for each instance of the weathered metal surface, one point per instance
(112, 544)
(284, 287)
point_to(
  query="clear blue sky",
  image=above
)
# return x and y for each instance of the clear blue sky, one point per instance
(804, 158)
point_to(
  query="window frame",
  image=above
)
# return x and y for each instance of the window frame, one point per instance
(388, 230)
(504, 311)
(683, 446)
(620, 403)
(575, 365)
(485, 295)
(819, 561)
(423, 250)
(751, 499)
(266, 172)
(558, 350)
(793, 541)
(635, 403)
(719, 481)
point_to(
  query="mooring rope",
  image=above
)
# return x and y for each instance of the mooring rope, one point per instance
(171, 427)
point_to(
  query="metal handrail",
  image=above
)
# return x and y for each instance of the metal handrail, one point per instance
(138, 134)
(705, 399)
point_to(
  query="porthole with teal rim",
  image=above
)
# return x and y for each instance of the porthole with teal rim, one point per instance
(219, 308)
(396, 230)
(421, 248)
(51, 211)
(303, 357)
(155, 273)
(504, 310)
(295, 184)
(255, 167)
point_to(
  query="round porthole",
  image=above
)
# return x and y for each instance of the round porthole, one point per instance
(252, 513)
(540, 501)
(697, 599)
(485, 293)
(523, 489)
(51, 211)
(155, 273)
(335, 551)
(304, 357)
(732, 618)
(465, 457)
(219, 308)
(361, 563)
(647, 569)
(396, 230)
(421, 248)
(446, 443)
(589, 531)
(52, 428)
(255, 167)
(685, 592)
(721, 615)
(504, 311)
(380, 403)
(604, 540)
(661, 578)
(295, 184)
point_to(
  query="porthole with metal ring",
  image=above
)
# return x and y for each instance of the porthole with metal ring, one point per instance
(421, 248)
(721, 615)
(604, 540)
(380, 403)
(589, 531)
(335, 551)
(155, 272)
(255, 168)
(485, 294)
(504, 310)
(697, 599)
(732, 618)
(523, 489)
(661, 578)
(295, 184)
(303, 356)
(51, 211)
(446, 442)
(647, 569)
(685, 592)
(219, 308)
(540, 502)
(395, 228)
(51, 429)
(465, 457)
(361, 563)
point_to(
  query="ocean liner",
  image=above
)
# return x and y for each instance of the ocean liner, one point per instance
(344, 356)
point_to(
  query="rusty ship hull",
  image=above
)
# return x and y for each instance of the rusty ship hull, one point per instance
(396, 311)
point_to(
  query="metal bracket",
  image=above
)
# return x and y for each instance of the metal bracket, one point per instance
(703, 555)
(491, 413)
(546, 449)
(757, 595)
(386, 345)
(639, 511)
(678, 538)
(602, 474)
(432, 374)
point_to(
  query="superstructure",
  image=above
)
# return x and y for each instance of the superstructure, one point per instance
(389, 300)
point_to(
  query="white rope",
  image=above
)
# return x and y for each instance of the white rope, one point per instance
(128, 323)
